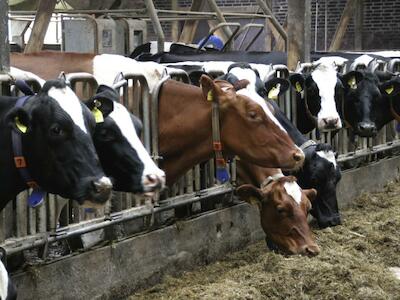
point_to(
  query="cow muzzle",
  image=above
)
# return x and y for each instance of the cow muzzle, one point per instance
(153, 183)
(329, 123)
(366, 129)
(101, 190)
(310, 250)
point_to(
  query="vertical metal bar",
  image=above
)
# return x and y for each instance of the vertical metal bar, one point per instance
(316, 26)
(307, 30)
(4, 42)
(22, 214)
(41, 218)
(326, 26)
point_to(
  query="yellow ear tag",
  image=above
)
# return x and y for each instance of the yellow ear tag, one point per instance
(98, 115)
(352, 83)
(209, 96)
(274, 92)
(20, 126)
(298, 87)
(389, 90)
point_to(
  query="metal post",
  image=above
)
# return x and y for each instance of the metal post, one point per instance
(326, 26)
(157, 25)
(307, 30)
(4, 42)
(316, 26)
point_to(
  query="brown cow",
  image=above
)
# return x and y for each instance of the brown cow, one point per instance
(283, 207)
(48, 64)
(185, 130)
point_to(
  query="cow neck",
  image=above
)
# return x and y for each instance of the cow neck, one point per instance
(37, 196)
(347, 123)
(180, 150)
(395, 115)
(309, 115)
(293, 132)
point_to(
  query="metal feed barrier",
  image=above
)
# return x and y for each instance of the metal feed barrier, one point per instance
(23, 228)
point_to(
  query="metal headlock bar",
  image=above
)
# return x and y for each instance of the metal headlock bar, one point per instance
(36, 235)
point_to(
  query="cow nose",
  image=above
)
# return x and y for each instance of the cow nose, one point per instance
(103, 185)
(367, 128)
(311, 250)
(330, 122)
(298, 155)
(153, 182)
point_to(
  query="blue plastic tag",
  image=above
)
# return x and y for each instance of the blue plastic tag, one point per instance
(398, 127)
(36, 198)
(222, 174)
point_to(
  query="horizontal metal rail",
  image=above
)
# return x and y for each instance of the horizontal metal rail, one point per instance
(13, 246)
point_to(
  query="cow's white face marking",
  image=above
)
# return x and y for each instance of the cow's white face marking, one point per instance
(250, 91)
(3, 281)
(325, 78)
(293, 190)
(121, 117)
(328, 155)
(70, 103)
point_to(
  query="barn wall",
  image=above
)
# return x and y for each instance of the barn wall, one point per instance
(381, 26)
(116, 270)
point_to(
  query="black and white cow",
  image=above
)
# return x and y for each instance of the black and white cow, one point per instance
(316, 89)
(7, 288)
(320, 170)
(121, 152)
(367, 100)
(59, 153)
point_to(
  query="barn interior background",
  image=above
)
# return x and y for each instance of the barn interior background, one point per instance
(333, 25)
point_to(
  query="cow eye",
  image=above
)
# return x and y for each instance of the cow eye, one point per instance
(252, 114)
(56, 130)
(280, 210)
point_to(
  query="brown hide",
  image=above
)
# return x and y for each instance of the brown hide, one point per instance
(185, 130)
(48, 64)
(282, 219)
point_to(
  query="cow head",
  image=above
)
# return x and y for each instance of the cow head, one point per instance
(366, 101)
(122, 154)
(58, 147)
(321, 171)
(317, 90)
(283, 210)
(7, 288)
(248, 128)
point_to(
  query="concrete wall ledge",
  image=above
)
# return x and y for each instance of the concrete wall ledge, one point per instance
(116, 270)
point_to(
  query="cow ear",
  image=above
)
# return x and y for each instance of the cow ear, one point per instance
(390, 88)
(102, 103)
(297, 82)
(311, 194)
(194, 77)
(207, 86)
(352, 79)
(250, 194)
(19, 119)
(276, 87)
